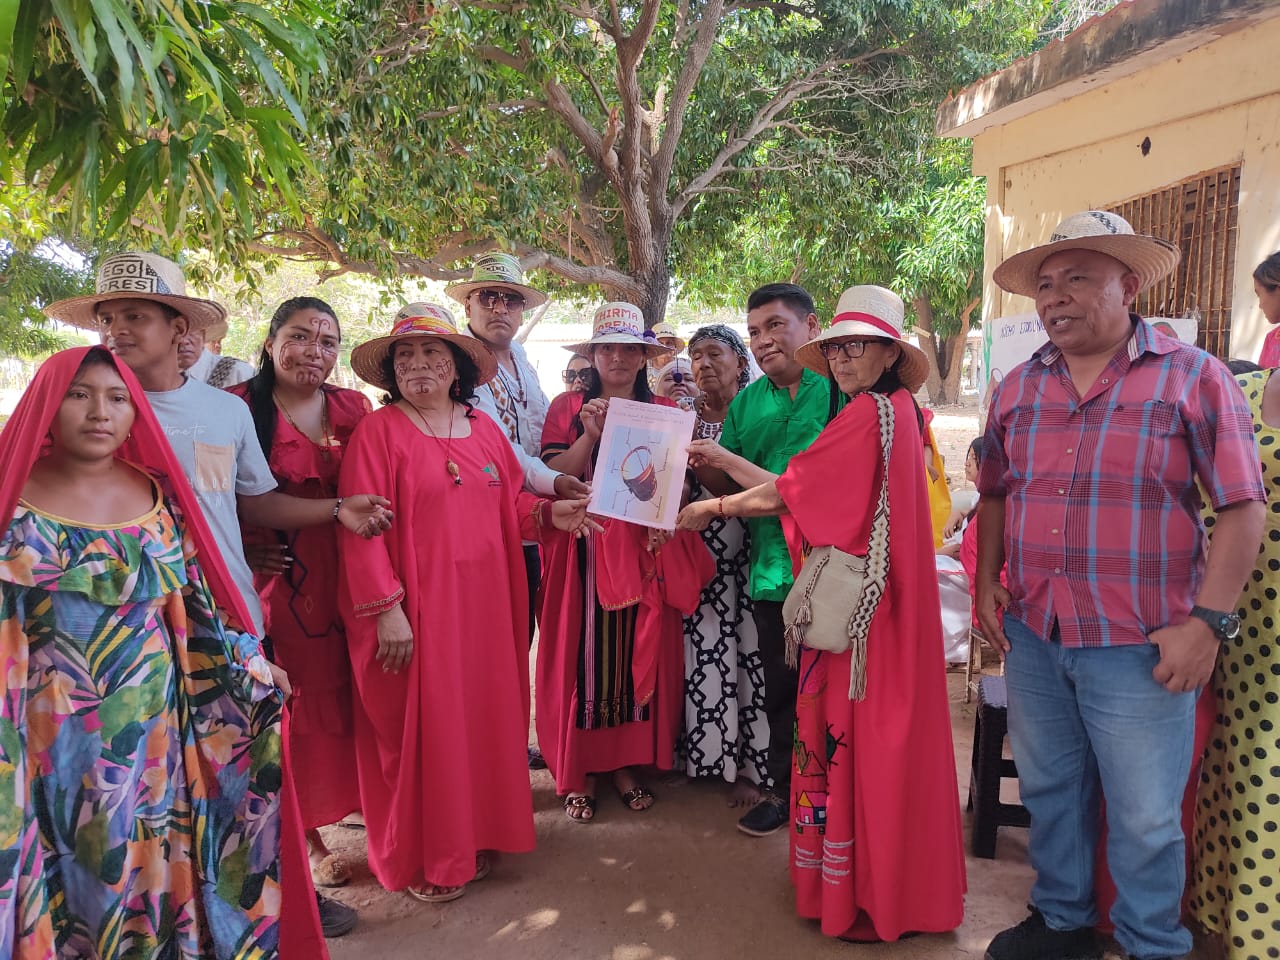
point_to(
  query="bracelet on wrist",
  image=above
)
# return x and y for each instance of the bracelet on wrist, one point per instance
(336, 507)
(720, 506)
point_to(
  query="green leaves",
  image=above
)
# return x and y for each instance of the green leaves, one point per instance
(218, 89)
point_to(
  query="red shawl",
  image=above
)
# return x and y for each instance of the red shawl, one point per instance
(24, 440)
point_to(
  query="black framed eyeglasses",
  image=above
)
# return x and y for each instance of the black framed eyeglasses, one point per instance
(852, 349)
(571, 375)
(489, 299)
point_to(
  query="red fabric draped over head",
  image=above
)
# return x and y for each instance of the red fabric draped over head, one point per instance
(25, 439)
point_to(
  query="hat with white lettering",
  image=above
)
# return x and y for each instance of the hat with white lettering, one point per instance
(136, 276)
(496, 271)
(1151, 258)
(620, 323)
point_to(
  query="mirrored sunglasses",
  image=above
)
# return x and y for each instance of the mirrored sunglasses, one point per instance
(489, 299)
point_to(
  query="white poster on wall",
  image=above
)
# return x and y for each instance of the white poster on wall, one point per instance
(1008, 341)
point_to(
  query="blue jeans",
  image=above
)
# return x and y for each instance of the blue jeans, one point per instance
(1080, 719)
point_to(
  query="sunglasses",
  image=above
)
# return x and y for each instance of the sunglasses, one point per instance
(852, 349)
(571, 375)
(489, 299)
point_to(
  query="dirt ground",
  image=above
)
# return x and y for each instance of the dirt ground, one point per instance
(677, 882)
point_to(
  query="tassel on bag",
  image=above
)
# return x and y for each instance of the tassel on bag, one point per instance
(815, 610)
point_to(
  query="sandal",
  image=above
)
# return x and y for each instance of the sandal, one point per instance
(484, 866)
(332, 871)
(638, 795)
(580, 808)
(434, 894)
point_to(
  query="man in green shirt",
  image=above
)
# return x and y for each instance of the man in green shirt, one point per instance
(769, 422)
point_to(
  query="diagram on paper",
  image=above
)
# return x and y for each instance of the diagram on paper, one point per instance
(639, 476)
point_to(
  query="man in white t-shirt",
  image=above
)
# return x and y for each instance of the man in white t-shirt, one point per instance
(141, 305)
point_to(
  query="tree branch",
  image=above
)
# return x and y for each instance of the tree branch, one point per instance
(694, 63)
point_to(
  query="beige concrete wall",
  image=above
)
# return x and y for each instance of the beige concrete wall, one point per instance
(1212, 106)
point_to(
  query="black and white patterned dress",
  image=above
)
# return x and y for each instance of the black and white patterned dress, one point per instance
(726, 732)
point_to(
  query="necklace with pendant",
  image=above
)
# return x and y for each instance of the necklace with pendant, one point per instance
(326, 442)
(449, 465)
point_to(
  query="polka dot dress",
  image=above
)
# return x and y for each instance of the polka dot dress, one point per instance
(1235, 881)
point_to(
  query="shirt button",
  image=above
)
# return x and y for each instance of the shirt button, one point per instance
(1055, 531)
(1105, 381)
(1069, 450)
(1061, 490)
(1057, 569)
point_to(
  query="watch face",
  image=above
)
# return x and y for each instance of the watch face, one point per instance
(1229, 626)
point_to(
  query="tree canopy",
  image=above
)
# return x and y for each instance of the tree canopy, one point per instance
(626, 150)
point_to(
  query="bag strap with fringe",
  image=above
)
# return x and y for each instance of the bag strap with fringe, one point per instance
(864, 610)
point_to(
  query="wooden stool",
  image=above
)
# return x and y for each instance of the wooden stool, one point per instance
(989, 767)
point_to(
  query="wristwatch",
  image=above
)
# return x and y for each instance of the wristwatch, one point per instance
(1226, 626)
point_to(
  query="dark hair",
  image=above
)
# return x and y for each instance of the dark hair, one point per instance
(261, 387)
(793, 295)
(97, 356)
(1267, 272)
(464, 388)
(1240, 367)
(975, 447)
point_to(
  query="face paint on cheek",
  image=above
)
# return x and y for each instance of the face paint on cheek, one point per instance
(444, 369)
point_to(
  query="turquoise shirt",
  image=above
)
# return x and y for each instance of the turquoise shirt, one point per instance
(767, 427)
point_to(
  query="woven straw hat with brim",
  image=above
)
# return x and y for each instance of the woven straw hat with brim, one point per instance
(137, 276)
(619, 322)
(496, 271)
(665, 329)
(1151, 258)
(869, 311)
(419, 320)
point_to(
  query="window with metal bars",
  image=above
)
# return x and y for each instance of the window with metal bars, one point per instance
(1199, 215)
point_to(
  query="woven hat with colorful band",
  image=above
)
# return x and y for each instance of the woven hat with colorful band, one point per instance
(496, 271)
(869, 311)
(1151, 258)
(619, 322)
(136, 276)
(419, 320)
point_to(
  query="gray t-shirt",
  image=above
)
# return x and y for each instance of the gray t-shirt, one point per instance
(212, 434)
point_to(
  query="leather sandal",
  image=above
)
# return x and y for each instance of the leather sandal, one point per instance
(637, 794)
(580, 803)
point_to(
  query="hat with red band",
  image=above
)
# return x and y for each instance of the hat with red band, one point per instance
(419, 320)
(869, 311)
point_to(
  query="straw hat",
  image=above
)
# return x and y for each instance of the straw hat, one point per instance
(620, 323)
(136, 276)
(1151, 258)
(499, 270)
(215, 331)
(419, 320)
(869, 311)
(665, 329)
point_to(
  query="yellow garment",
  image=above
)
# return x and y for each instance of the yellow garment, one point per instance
(939, 492)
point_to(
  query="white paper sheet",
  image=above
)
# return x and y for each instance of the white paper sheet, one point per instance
(639, 475)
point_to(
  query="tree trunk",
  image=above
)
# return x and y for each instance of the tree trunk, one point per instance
(929, 344)
(955, 348)
(656, 291)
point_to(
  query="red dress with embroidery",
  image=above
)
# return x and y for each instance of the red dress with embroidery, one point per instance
(876, 842)
(301, 616)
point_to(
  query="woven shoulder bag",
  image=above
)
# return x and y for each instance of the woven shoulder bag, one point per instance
(835, 596)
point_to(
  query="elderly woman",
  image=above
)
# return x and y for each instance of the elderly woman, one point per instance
(436, 613)
(303, 425)
(610, 666)
(140, 789)
(726, 730)
(876, 847)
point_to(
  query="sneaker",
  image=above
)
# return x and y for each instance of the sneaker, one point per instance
(536, 762)
(1033, 939)
(768, 816)
(336, 918)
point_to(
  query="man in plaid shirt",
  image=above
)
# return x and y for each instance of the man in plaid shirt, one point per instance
(1115, 608)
